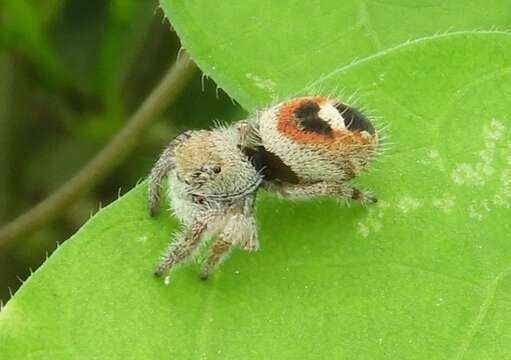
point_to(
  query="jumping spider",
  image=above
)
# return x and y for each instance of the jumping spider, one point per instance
(300, 148)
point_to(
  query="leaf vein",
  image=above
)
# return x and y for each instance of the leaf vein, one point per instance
(401, 45)
(481, 314)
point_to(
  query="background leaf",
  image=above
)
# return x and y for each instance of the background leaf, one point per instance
(424, 274)
(21, 25)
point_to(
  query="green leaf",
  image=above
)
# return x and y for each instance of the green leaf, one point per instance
(424, 274)
(260, 50)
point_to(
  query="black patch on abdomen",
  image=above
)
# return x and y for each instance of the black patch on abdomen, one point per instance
(270, 165)
(307, 119)
(354, 119)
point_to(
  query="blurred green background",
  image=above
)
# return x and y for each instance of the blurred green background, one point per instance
(71, 73)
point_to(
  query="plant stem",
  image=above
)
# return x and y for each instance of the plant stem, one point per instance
(164, 94)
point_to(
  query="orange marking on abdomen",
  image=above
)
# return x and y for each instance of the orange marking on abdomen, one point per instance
(286, 125)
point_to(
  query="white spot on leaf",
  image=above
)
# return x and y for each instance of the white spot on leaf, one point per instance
(265, 84)
(433, 160)
(373, 221)
(445, 203)
(466, 174)
(407, 204)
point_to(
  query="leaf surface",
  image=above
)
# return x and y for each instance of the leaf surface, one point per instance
(424, 274)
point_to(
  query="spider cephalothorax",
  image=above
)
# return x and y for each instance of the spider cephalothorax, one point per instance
(211, 188)
(301, 148)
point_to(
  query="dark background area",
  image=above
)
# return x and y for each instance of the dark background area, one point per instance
(71, 73)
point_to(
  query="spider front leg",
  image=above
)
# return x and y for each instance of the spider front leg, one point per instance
(323, 188)
(187, 242)
(241, 231)
(219, 249)
(160, 170)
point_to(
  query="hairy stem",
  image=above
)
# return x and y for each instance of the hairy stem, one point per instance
(164, 94)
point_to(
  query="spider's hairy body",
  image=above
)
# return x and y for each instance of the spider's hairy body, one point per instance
(211, 190)
(334, 155)
(319, 140)
(209, 166)
(301, 148)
